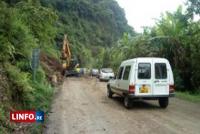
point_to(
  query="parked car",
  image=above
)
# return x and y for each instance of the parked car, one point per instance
(94, 72)
(143, 78)
(105, 74)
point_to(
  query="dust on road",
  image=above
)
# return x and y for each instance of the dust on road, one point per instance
(82, 107)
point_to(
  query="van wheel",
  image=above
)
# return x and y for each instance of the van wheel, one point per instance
(127, 102)
(109, 92)
(163, 102)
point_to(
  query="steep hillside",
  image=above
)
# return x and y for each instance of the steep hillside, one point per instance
(90, 25)
(23, 27)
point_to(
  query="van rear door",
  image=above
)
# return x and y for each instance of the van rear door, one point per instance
(161, 79)
(143, 80)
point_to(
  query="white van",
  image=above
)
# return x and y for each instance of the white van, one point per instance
(143, 78)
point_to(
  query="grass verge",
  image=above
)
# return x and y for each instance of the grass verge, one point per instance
(188, 96)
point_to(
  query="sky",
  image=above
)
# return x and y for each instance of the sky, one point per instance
(141, 13)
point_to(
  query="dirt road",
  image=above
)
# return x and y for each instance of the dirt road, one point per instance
(82, 107)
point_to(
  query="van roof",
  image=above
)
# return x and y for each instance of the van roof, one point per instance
(144, 58)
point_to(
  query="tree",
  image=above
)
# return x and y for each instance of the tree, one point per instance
(193, 7)
(175, 37)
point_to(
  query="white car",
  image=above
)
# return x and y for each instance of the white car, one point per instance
(94, 72)
(143, 78)
(105, 74)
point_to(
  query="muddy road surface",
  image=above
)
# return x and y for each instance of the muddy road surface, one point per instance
(82, 107)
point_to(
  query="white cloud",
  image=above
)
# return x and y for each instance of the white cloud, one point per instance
(141, 13)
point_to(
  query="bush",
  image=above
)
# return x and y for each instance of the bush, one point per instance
(179, 85)
(32, 94)
(40, 97)
(19, 83)
(5, 126)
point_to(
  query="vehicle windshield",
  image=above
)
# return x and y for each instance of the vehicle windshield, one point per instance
(107, 70)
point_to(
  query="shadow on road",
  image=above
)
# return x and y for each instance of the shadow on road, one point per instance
(136, 104)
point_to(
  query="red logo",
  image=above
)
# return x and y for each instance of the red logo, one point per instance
(23, 116)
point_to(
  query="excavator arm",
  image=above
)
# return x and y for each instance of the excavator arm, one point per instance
(66, 53)
(69, 65)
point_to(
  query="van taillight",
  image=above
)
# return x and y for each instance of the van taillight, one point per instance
(131, 88)
(171, 88)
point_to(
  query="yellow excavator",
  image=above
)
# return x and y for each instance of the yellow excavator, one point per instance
(69, 65)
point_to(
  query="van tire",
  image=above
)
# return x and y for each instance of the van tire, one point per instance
(127, 102)
(109, 92)
(163, 102)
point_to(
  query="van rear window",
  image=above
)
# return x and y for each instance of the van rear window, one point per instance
(144, 71)
(160, 71)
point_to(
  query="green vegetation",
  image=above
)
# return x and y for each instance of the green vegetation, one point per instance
(175, 36)
(91, 25)
(24, 25)
(188, 96)
(99, 37)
